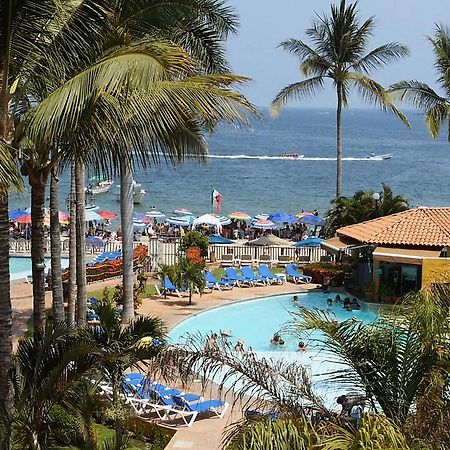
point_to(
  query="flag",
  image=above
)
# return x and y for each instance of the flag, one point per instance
(216, 198)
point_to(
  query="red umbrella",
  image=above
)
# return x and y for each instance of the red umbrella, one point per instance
(106, 215)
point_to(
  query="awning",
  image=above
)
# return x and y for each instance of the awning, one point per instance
(339, 244)
(404, 255)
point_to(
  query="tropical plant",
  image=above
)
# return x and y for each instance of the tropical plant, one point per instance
(189, 274)
(44, 371)
(436, 107)
(194, 239)
(339, 53)
(361, 207)
(124, 347)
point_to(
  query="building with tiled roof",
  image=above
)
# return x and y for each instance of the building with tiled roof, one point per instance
(401, 252)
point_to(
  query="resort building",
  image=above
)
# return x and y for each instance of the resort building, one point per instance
(400, 253)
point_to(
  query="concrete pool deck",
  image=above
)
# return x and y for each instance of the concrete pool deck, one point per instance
(205, 434)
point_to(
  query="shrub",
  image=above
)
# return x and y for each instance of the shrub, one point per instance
(194, 239)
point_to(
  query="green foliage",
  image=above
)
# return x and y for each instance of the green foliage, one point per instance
(370, 288)
(361, 207)
(194, 239)
(67, 428)
(117, 296)
(190, 274)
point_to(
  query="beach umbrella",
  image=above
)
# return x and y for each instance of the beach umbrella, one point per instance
(239, 215)
(152, 215)
(139, 224)
(310, 242)
(185, 221)
(92, 216)
(223, 220)
(15, 214)
(263, 224)
(107, 215)
(280, 217)
(208, 219)
(216, 239)
(62, 217)
(95, 241)
(261, 216)
(311, 220)
(270, 239)
(182, 212)
(24, 219)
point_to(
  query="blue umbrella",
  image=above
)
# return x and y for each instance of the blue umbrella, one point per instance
(181, 221)
(216, 239)
(14, 215)
(280, 217)
(311, 220)
(95, 240)
(310, 242)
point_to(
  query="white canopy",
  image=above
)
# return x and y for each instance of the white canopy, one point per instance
(208, 219)
(92, 216)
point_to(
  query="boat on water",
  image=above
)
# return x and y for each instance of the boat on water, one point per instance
(138, 193)
(291, 155)
(379, 157)
(98, 185)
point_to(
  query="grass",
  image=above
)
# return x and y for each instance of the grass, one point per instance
(104, 434)
(148, 291)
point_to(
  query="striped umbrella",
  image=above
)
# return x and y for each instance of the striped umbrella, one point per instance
(15, 214)
(300, 215)
(152, 215)
(184, 221)
(107, 215)
(24, 219)
(239, 215)
(263, 224)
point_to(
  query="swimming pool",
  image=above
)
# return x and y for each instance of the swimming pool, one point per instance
(20, 266)
(255, 321)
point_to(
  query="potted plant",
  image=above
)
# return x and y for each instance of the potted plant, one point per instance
(369, 292)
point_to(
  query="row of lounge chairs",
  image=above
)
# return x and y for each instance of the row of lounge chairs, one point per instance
(247, 277)
(145, 396)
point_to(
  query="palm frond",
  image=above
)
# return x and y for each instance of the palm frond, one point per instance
(418, 94)
(299, 90)
(375, 93)
(381, 56)
(435, 117)
(441, 48)
(10, 178)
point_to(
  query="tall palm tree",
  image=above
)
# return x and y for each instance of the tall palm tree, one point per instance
(339, 53)
(72, 281)
(189, 274)
(436, 107)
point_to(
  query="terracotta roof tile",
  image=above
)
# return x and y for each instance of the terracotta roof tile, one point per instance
(429, 227)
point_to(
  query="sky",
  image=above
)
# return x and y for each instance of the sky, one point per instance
(264, 24)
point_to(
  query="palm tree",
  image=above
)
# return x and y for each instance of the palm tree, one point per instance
(190, 274)
(436, 107)
(361, 207)
(72, 281)
(339, 53)
(124, 347)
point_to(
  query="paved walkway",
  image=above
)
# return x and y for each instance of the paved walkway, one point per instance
(205, 434)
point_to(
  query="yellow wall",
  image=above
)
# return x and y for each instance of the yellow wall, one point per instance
(435, 270)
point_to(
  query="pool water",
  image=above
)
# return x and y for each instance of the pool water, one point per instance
(20, 266)
(256, 321)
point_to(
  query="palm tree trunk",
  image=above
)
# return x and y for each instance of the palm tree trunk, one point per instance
(126, 218)
(37, 183)
(72, 291)
(339, 141)
(81, 244)
(55, 246)
(5, 305)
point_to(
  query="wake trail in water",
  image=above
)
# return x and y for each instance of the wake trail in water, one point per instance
(305, 158)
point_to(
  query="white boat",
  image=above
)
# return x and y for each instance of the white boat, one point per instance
(138, 193)
(98, 186)
(374, 157)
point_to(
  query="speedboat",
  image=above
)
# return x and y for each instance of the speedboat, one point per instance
(374, 157)
(291, 155)
(98, 186)
(138, 193)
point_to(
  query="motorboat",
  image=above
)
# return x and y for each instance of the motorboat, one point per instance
(138, 193)
(291, 155)
(374, 157)
(98, 186)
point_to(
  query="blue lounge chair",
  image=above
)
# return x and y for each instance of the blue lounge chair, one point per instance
(265, 272)
(292, 272)
(218, 407)
(248, 274)
(232, 276)
(168, 286)
(212, 280)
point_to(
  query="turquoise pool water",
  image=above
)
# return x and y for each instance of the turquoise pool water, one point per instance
(256, 321)
(20, 266)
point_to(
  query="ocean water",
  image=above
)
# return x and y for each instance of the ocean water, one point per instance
(243, 165)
